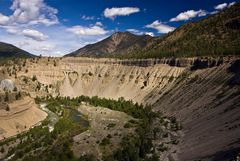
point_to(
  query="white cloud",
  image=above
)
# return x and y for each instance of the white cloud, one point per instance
(214, 12)
(149, 33)
(35, 35)
(58, 35)
(26, 12)
(46, 48)
(123, 11)
(13, 30)
(31, 27)
(137, 32)
(44, 21)
(160, 27)
(23, 43)
(188, 15)
(231, 4)
(84, 17)
(221, 6)
(4, 20)
(87, 31)
(99, 24)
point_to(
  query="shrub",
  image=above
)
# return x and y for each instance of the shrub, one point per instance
(17, 96)
(111, 125)
(25, 80)
(87, 158)
(90, 73)
(7, 108)
(127, 125)
(6, 99)
(145, 83)
(34, 78)
(105, 141)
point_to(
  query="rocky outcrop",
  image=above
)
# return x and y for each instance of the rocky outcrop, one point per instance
(7, 84)
(194, 63)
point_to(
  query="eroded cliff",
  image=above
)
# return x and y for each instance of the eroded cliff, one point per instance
(203, 93)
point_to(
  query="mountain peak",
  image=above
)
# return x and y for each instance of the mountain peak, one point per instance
(118, 43)
(121, 35)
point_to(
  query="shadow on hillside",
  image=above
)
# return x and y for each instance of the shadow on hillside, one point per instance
(235, 68)
(227, 155)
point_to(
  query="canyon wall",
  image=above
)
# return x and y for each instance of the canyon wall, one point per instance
(203, 93)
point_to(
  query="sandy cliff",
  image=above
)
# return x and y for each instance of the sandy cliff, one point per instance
(23, 114)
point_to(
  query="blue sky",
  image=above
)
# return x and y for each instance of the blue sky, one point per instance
(57, 27)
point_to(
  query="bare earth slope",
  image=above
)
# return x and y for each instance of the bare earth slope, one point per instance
(23, 115)
(210, 112)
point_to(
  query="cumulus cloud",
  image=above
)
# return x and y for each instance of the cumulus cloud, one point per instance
(4, 20)
(35, 35)
(184, 16)
(87, 31)
(149, 33)
(160, 27)
(12, 30)
(137, 32)
(99, 24)
(112, 13)
(30, 13)
(33, 12)
(230, 4)
(221, 6)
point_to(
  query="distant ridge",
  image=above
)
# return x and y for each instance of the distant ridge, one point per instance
(216, 35)
(120, 43)
(8, 50)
